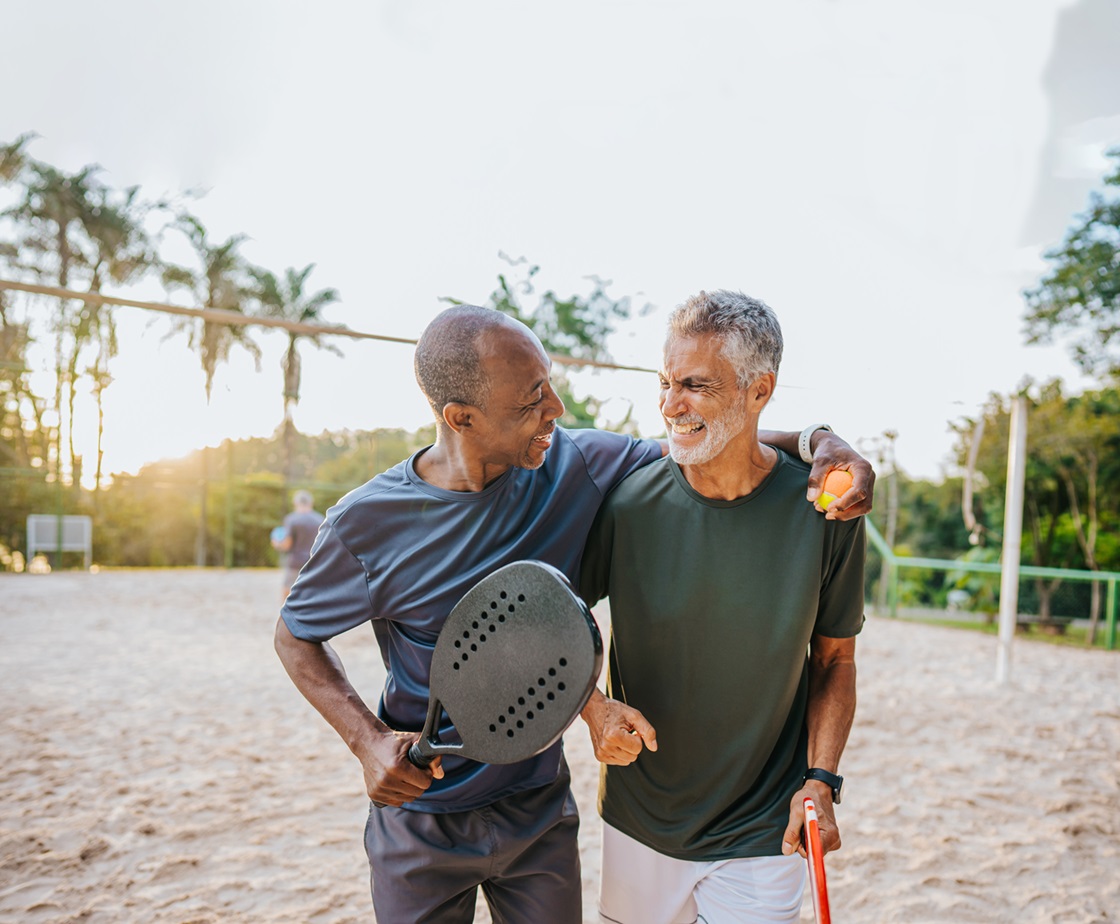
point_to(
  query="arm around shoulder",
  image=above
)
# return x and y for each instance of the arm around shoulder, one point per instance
(828, 451)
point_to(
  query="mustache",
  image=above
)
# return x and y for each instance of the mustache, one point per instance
(685, 420)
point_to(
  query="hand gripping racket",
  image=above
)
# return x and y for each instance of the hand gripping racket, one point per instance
(514, 664)
(815, 855)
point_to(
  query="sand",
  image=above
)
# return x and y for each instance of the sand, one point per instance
(158, 766)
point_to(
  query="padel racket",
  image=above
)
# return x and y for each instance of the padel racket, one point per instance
(514, 664)
(815, 854)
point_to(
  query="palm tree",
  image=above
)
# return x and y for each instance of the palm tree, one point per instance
(13, 158)
(220, 281)
(287, 300)
(52, 212)
(121, 252)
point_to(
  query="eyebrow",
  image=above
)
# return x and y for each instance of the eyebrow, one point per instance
(691, 379)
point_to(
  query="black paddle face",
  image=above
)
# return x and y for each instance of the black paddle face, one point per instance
(515, 662)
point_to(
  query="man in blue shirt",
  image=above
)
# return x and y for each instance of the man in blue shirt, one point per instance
(298, 534)
(502, 483)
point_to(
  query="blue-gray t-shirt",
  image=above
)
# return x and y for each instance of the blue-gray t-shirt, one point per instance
(400, 553)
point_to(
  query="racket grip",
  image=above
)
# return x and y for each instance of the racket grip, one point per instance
(418, 757)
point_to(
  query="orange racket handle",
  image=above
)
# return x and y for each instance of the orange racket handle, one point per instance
(815, 852)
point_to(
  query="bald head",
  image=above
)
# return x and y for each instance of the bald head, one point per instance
(448, 360)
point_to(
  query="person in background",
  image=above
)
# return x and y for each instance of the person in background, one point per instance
(295, 538)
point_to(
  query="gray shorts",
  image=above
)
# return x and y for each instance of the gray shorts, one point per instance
(522, 851)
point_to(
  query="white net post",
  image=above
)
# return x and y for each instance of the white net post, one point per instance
(1012, 537)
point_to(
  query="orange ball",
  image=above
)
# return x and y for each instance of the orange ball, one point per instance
(836, 483)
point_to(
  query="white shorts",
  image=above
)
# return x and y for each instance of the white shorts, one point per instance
(642, 886)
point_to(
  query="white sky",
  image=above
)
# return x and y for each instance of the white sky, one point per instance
(865, 166)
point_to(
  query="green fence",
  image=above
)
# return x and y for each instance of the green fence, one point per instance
(895, 564)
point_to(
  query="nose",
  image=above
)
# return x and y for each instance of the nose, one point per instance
(555, 409)
(671, 402)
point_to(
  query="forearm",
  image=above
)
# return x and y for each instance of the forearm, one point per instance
(831, 709)
(786, 440)
(319, 675)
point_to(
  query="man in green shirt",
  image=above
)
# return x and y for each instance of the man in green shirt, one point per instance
(721, 578)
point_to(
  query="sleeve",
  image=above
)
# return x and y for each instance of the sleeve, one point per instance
(331, 595)
(595, 570)
(840, 612)
(610, 457)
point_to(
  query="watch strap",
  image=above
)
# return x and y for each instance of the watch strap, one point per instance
(804, 441)
(833, 781)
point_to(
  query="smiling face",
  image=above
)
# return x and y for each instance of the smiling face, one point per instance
(704, 408)
(515, 429)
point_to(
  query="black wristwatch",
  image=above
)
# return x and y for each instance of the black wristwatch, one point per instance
(832, 780)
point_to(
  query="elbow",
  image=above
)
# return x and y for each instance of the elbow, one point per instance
(282, 639)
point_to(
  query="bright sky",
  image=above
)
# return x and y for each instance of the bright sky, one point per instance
(867, 167)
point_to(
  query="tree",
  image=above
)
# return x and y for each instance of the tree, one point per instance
(1081, 295)
(1047, 542)
(1079, 437)
(77, 232)
(287, 300)
(1072, 478)
(120, 251)
(577, 326)
(51, 215)
(219, 281)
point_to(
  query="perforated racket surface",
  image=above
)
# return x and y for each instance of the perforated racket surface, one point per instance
(815, 852)
(514, 664)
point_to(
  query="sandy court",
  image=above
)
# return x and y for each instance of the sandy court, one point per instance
(158, 766)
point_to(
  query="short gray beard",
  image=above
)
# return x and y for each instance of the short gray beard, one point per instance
(718, 432)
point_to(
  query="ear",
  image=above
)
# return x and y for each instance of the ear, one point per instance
(458, 416)
(760, 391)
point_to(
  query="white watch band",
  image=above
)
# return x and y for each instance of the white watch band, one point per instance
(804, 441)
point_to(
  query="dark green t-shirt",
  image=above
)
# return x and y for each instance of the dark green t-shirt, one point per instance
(713, 604)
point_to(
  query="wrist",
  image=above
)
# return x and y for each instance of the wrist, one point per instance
(593, 706)
(363, 741)
(826, 780)
(820, 790)
(809, 439)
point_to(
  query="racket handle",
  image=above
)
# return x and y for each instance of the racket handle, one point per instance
(418, 757)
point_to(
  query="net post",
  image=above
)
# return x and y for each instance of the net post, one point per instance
(1110, 617)
(1012, 536)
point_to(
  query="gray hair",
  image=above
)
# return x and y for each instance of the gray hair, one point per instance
(302, 499)
(747, 327)
(447, 362)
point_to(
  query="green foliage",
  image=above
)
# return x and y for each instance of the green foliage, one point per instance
(369, 452)
(577, 326)
(929, 516)
(982, 588)
(1080, 297)
(152, 518)
(1071, 489)
(919, 586)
